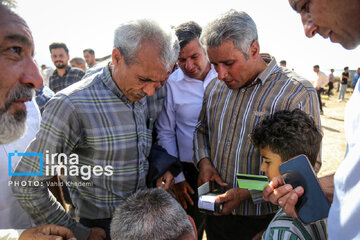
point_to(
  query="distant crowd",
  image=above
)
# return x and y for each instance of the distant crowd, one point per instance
(118, 150)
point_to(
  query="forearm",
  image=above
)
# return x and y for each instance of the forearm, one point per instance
(201, 145)
(327, 185)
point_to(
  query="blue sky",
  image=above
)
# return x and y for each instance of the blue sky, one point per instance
(82, 24)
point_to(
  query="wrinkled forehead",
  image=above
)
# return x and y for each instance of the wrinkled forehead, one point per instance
(14, 28)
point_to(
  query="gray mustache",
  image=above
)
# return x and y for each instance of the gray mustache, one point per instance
(22, 92)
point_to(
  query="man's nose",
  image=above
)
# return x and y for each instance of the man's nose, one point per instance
(31, 75)
(151, 88)
(310, 28)
(189, 64)
(222, 73)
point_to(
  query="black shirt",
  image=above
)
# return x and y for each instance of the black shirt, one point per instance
(344, 80)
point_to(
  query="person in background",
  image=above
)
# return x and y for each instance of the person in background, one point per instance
(343, 84)
(283, 63)
(177, 121)
(89, 55)
(356, 78)
(46, 72)
(78, 62)
(320, 83)
(64, 75)
(326, 18)
(331, 81)
(151, 214)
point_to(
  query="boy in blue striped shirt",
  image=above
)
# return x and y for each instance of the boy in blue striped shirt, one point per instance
(280, 137)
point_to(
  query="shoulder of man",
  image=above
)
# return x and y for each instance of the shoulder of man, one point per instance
(76, 71)
(76, 89)
(296, 78)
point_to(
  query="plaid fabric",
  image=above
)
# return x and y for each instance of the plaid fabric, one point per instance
(71, 76)
(94, 120)
(229, 116)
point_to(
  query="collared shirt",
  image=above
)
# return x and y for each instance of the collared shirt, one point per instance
(322, 80)
(12, 215)
(331, 78)
(176, 123)
(283, 227)
(71, 76)
(94, 120)
(229, 116)
(344, 214)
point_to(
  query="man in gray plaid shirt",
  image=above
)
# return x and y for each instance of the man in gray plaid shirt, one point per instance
(101, 130)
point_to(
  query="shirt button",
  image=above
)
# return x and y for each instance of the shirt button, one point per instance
(242, 90)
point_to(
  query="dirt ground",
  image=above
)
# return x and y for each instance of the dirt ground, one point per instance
(333, 143)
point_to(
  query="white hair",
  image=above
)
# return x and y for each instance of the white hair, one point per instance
(232, 25)
(129, 36)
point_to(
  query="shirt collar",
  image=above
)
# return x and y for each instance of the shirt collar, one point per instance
(66, 71)
(264, 75)
(209, 76)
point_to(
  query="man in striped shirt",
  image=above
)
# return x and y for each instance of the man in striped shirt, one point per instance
(102, 128)
(247, 89)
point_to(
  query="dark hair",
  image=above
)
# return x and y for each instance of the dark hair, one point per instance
(91, 51)
(346, 68)
(316, 66)
(186, 32)
(58, 45)
(283, 62)
(289, 133)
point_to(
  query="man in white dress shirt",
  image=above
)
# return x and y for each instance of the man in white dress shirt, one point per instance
(320, 83)
(177, 121)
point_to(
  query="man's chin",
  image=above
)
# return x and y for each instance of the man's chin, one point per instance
(60, 66)
(347, 43)
(12, 127)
